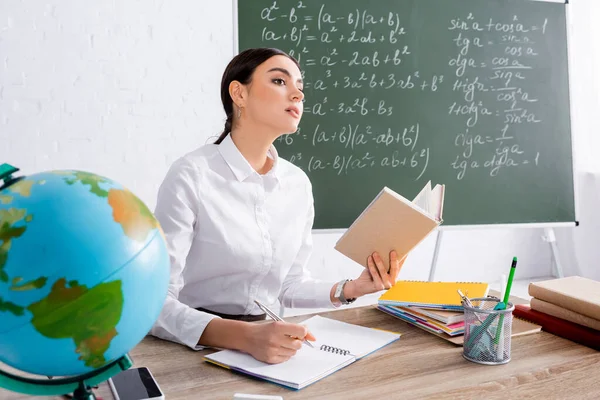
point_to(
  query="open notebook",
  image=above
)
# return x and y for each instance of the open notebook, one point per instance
(338, 345)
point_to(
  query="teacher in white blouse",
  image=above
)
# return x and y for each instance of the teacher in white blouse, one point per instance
(237, 220)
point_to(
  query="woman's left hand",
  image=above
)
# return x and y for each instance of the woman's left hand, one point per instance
(376, 277)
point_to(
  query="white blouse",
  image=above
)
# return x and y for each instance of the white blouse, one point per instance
(233, 236)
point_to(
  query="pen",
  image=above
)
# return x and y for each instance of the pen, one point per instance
(276, 317)
(500, 343)
(511, 275)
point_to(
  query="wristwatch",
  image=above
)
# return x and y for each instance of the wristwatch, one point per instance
(339, 292)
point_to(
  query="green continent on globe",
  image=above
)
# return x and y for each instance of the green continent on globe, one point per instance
(87, 178)
(88, 316)
(38, 283)
(22, 187)
(135, 218)
(11, 308)
(8, 232)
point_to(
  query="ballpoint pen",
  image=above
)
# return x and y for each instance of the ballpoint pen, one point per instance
(276, 317)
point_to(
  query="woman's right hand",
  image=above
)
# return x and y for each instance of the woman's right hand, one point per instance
(275, 342)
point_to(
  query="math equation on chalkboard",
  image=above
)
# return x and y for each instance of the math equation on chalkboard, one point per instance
(402, 91)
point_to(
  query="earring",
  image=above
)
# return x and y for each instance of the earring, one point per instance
(239, 113)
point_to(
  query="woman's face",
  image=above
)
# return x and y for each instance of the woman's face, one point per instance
(275, 95)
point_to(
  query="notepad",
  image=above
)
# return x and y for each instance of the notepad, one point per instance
(392, 222)
(442, 295)
(338, 344)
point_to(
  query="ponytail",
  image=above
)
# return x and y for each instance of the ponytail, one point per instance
(226, 131)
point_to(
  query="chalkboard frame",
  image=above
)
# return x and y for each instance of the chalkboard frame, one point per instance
(545, 225)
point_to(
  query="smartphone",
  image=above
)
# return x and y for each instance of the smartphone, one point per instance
(135, 384)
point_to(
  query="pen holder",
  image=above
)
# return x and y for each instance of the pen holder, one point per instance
(487, 331)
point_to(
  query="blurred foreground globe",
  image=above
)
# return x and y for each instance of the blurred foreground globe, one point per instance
(84, 272)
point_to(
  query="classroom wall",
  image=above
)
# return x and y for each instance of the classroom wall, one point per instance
(124, 88)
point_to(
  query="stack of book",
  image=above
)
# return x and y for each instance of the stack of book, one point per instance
(567, 307)
(442, 322)
(436, 307)
(433, 306)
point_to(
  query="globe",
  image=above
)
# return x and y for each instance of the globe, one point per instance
(84, 271)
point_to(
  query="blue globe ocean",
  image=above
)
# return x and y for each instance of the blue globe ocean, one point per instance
(84, 271)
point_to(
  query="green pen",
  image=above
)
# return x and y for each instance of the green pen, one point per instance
(511, 275)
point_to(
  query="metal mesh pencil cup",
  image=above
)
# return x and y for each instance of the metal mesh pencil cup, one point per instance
(487, 331)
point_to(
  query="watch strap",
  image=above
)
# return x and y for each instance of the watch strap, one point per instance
(340, 292)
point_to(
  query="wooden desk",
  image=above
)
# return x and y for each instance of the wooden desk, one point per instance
(419, 365)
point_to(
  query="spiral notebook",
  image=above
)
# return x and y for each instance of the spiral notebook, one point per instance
(338, 344)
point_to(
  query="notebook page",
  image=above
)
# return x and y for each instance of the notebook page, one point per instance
(307, 366)
(359, 340)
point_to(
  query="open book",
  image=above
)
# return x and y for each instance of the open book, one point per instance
(338, 345)
(391, 222)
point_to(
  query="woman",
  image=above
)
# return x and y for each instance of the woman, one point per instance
(238, 219)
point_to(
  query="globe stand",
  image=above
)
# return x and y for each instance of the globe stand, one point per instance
(79, 385)
(83, 393)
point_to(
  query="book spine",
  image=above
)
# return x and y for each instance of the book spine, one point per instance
(560, 327)
(580, 306)
(559, 312)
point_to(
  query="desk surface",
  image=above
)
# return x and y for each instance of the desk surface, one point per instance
(419, 365)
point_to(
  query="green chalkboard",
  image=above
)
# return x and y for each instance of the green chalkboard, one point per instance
(470, 93)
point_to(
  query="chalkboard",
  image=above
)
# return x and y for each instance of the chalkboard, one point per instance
(469, 93)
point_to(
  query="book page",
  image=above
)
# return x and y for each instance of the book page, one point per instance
(437, 202)
(358, 340)
(422, 200)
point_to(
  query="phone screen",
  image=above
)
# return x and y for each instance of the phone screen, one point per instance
(136, 384)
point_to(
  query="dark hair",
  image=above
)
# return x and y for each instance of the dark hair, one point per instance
(240, 69)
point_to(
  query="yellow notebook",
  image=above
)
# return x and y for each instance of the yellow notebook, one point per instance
(432, 294)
